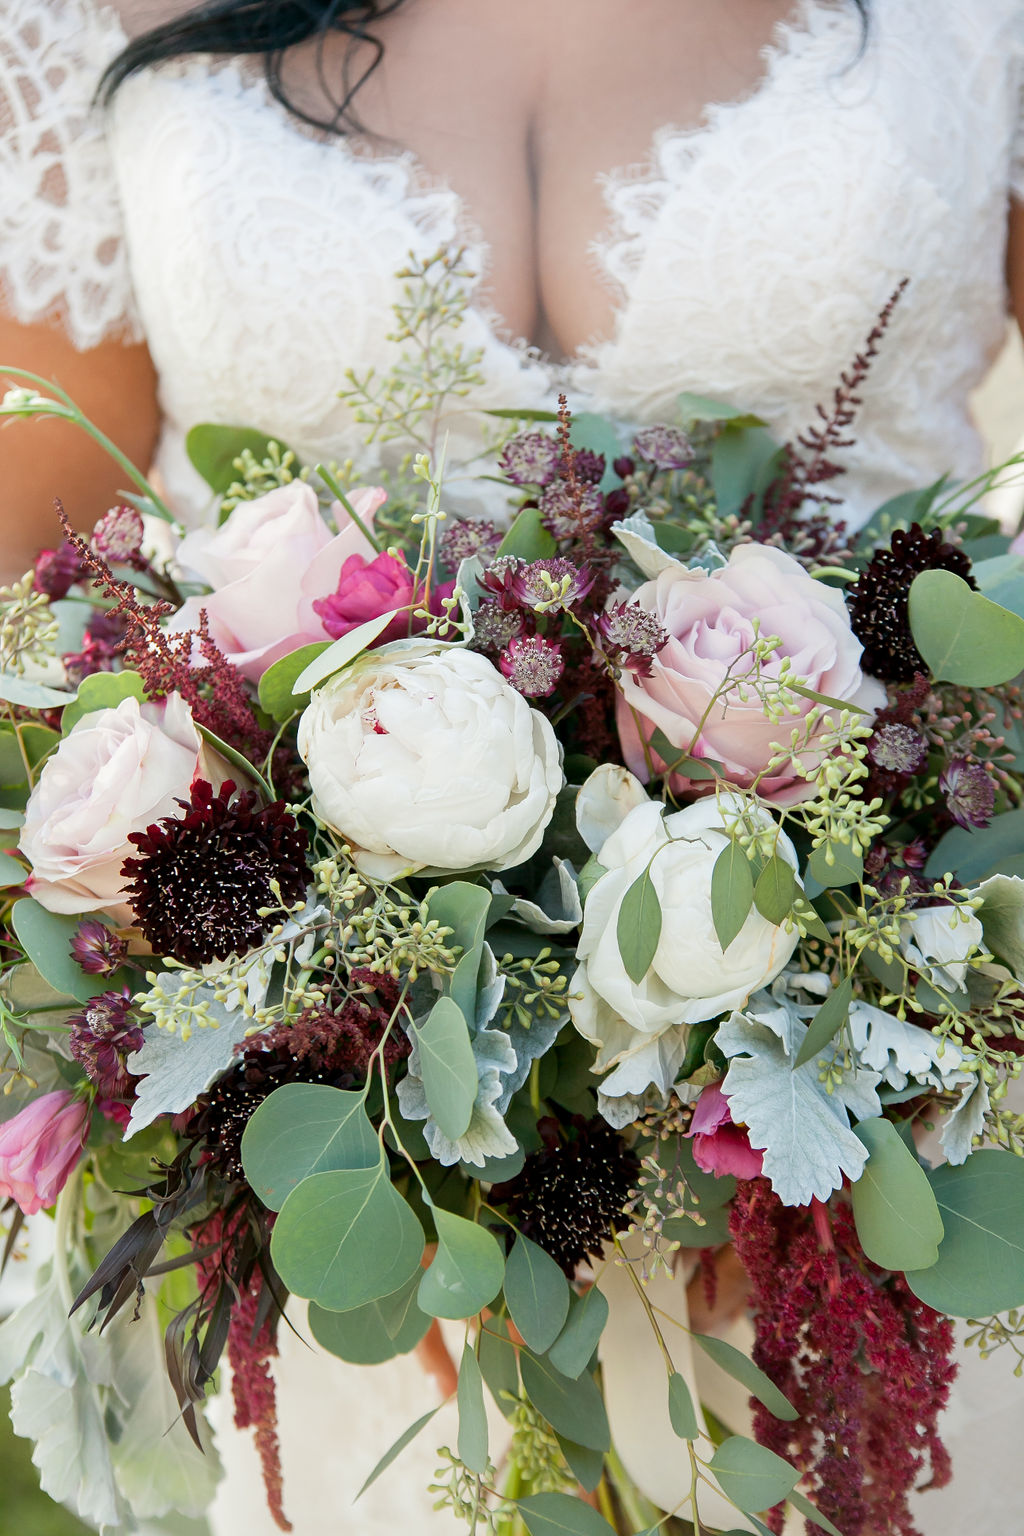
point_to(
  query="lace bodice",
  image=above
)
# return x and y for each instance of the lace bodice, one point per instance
(749, 257)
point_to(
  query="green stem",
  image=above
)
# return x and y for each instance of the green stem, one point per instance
(336, 490)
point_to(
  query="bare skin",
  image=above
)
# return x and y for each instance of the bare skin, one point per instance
(521, 112)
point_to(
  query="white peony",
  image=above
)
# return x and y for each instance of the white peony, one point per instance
(422, 757)
(640, 1028)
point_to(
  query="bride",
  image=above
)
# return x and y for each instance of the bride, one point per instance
(670, 195)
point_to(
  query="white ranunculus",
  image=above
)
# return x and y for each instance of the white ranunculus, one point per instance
(422, 757)
(115, 772)
(640, 1028)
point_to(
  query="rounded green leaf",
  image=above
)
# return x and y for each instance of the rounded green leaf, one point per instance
(12, 872)
(102, 690)
(369, 1335)
(846, 868)
(963, 636)
(46, 939)
(537, 1293)
(278, 681)
(18, 690)
(980, 1267)
(448, 1067)
(752, 1476)
(466, 1271)
(213, 449)
(346, 1238)
(681, 1412)
(304, 1128)
(527, 537)
(732, 892)
(898, 1221)
(559, 1514)
(638, 927)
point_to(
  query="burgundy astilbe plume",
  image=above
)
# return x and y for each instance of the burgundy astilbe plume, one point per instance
(865, 1363)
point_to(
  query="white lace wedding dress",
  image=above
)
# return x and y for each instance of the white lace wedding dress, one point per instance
(749, 257)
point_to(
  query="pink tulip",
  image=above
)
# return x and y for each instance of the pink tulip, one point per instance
(719, 1145)
(40, 1146)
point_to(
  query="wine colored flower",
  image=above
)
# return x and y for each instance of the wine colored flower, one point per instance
(118, 536)
(568, 514)
(114, 772)
(532, 458)
(898, 748)
(532, 665)
(204, 879)
(970, 793)
(879, 601)
(548, 586)
(57, 570)
(494, 625)
(464, 537)
(368, 588)
(267, 565)
(39, 1147)
(720, 1146)
(663, 446)
(96, 948)
(424, 757)
(713, 619)
(630, 637)
(102, 1037)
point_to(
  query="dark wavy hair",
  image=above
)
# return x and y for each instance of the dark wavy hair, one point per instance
(270, 28)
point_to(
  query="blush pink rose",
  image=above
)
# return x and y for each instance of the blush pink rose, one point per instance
(40, 1146)
(116, 771)
(368, 588)
(719, 1145)
(267, 565)
(709, 618)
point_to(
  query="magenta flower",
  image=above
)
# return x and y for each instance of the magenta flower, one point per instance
(368, 588)
(40, 1146)
(719, 1145)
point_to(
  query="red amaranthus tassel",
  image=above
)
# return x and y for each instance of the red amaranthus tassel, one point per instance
(251, 1347)
(867, 1365)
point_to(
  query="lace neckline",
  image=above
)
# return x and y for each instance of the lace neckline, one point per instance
(613, 248)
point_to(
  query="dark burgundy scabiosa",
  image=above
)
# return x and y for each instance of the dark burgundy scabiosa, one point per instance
(630, 637)
(464, 537)
(202, 877)
(878, 601)
(570, 1196)
(532, 458)
(97, 949)
(532, 665)
(970, 793)
(102, 1037)
(663, 446)
(323, 1045)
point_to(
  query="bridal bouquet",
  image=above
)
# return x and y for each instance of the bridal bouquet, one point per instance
(437, 920)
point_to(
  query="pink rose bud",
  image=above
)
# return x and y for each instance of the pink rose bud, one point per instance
(719, 1145)
(368, 588)
(40, 1146)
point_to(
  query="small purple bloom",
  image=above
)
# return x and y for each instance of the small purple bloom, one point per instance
(118, 536)
(589, 466)
(102, 1037)
(969, 791)
(630, 636)
(549, 585)
(898, 748)
(465, 537)
(532, 665)
(494, 626)
(97, 949)
(624, 466)
(663, 446)
(532, 458)
(57, 570)
(567, 515)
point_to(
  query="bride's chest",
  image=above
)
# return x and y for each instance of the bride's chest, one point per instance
(749, 254)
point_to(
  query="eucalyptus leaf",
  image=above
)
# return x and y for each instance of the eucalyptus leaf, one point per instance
(12, 872)
(980, 1267)
(277, 685)
(971, 853)
(586, 1466)
(964, 637)
(499, 1365)
(18, 690)
(572, 1408)
(467, 1269)
(846, 868)
(638, 927)
(559, 1514)
(776, 890)
(742, 1369)
(697, 408)
(448, 1067)
(473, 1437)
(898, 1221)
(827, 1022)
(807, 1509)
(101, 690)
(340, 653)
(213, 449)
(46, 938)
(681, 1411)
(574, 1348)
(393, 1452)
(304, 1128)
(537, 1294)
(732, 892)
(374, 1333)
(751, 1475)
(346, 1237)
(527, 538)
